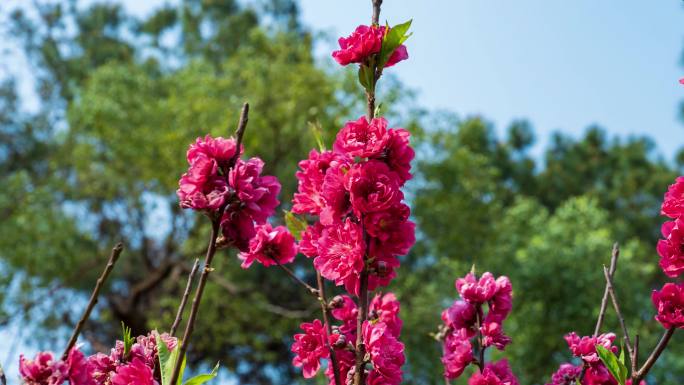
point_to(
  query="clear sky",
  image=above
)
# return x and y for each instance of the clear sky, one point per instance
(563, 65)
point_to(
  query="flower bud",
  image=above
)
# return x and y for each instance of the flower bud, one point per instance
(341, 342)
(336, 303)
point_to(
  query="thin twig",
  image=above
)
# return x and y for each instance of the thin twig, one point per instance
(113, 257)
(376, 12)
(326, 320)
(239, 133)
(360, 362)
(651, 360)
(184, 300)
(3, 379)
(616, 306)
(635, 355)
(604, 302)
(312, 290)
(211, 250)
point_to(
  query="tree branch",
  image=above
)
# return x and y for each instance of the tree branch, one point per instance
(312, 290)
(184, 299)
(651, 360)
(326, 320)
(113, 257)
(616, 306)
(211, 251)
(606, 292)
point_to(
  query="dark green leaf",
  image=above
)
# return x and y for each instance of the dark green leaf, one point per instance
(614, 366)
(366, 77)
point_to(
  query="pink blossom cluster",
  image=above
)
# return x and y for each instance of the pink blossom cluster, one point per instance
(213, 184)
(355, 191)
(363, 44)
(474, 323)
(595, 372)
(139, 366)
(669, 301)
(380, 331)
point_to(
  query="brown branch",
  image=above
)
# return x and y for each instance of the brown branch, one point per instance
(635, 356)
(606, 292)
(113, 257)
(376, 12)
(651, 360)
(326, 320)
(211, 251)
(360, 362)
(616, 306)
(184, 299)
(312, 290)
(3, 379)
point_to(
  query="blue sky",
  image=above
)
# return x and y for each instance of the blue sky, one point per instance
(563, 65)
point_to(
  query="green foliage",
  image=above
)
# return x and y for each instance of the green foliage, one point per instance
(127, 338)
(294, 224)
(167, 362)
(615, 366)
(393, 38)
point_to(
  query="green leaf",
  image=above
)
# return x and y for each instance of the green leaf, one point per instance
(202, 378)
(366, 77)
(317, 132)
(393, 39)
(622, 354)
(127, 339)
(616, 368)
(296, 225)
(167, 360)
(378, 110)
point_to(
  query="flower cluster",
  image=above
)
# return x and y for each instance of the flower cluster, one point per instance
(355, 190)
(363, 44)
(139, 366)
(595, 372)
(219, 182)
(669, 301)
(380, 331)
(466, 324)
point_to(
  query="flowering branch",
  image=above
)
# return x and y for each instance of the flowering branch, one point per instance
(113, 257)
(184, 300)
(211, 250)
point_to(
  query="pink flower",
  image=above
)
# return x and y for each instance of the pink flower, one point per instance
(501, 303)
(681, 81)
(399, 54)
(357, 47)
(386, 353)
(498, 373)
(80, 370)
(673, 202)
(359, 138)
(43, 370)
(382, 268)
(308, 245)
(341, 256)
(385, 308)
(671, 249)
(493, 335)
(308, 198)
(346, 311)
(398, 153)
(381, 224)
(585, 347)
(477, 291)
(336, 197)
(669, 303)
(103, 367)
(270, 246)
(237, 228)
(257, 194)
(219, 149)
(394, 241)
(202, 188)
(145, 347)
(461, 315)
(345, 362)
(372, 187)
(567, 374)
(597, 374)
(310, 347)
(134, 373)
(457, 355)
